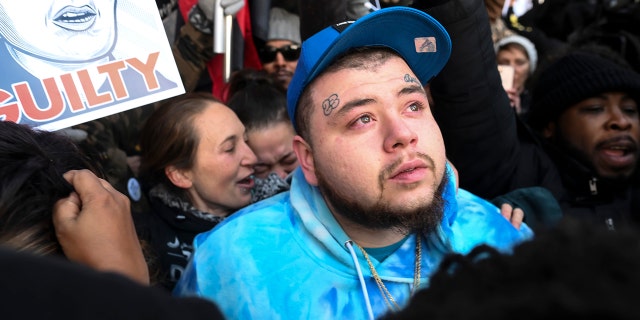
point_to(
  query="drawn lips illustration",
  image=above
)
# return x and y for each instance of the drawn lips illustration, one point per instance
(75, 18)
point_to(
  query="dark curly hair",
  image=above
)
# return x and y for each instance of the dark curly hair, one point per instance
(32, 163)
(574, 271)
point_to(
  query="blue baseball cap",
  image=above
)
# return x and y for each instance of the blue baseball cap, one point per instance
(420, 39)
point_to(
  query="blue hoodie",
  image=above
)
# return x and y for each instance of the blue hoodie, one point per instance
(286, 257)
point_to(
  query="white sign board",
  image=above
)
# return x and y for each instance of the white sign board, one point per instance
(67, 62)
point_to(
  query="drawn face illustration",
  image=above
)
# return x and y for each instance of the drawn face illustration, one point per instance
(59, 30)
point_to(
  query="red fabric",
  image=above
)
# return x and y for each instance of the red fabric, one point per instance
(185, 6)
(215, 65)
(251, 58)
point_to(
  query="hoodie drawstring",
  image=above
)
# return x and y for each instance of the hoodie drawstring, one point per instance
(365, 293)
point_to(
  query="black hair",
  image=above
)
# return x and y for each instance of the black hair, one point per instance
(257, 100)
(32, 163)
(575, 270)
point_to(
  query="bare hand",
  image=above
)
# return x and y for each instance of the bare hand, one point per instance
(514, 100)
(94, 226)
(515, 216)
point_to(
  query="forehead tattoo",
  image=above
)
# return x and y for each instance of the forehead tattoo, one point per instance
(330, 103)
(410, 79)
(333, 101)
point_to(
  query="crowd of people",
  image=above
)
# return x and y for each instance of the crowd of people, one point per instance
(365, 159)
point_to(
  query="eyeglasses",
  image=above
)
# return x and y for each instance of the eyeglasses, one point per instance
(290, 53)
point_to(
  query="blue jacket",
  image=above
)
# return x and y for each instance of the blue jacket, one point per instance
(286, 257)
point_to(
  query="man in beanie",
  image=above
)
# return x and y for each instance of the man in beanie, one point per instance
(279, 55)
(585, 106)
(373, 207)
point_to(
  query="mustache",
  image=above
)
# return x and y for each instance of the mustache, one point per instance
(388, 170)
(619, 139)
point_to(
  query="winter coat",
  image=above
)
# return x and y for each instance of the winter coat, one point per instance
(168, 229)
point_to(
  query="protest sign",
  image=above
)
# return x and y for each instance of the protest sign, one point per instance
(67, 62)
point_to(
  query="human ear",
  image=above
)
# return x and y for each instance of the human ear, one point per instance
(305, 159)
(179, 177)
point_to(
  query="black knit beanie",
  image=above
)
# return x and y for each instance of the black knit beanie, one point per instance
(575, 77)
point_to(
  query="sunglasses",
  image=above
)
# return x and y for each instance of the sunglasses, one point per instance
(289, 53)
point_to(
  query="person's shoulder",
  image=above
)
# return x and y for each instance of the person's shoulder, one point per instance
(272, 213)
(478, 221)
(251, 236)
(280, 201)
(267, 211)
(471, 206)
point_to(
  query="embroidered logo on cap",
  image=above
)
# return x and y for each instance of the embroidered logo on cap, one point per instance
(425, 44)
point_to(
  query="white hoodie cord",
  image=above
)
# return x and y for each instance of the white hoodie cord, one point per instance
(360, 277)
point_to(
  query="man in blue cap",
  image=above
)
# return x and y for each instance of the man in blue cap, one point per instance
(374, 205)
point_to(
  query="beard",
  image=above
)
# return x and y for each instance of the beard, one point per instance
(425, 218)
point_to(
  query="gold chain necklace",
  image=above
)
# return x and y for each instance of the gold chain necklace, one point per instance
(388, 298)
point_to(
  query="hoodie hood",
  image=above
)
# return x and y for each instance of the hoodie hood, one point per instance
(320, 223)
